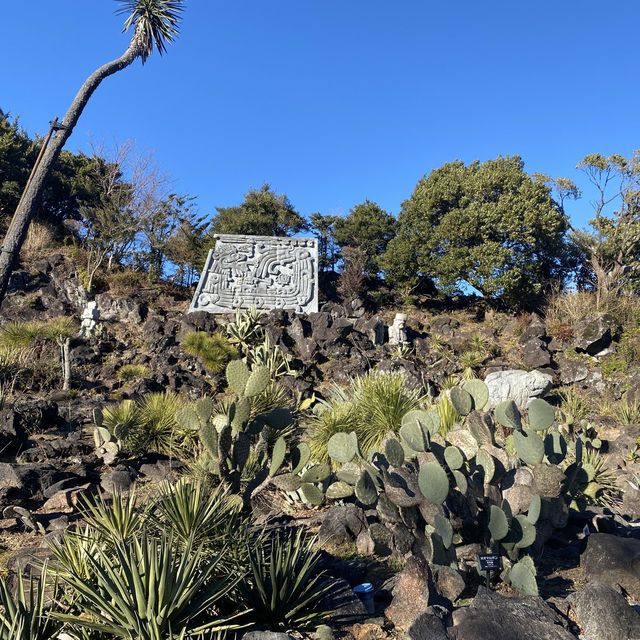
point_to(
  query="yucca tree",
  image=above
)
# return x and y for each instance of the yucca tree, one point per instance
(155, 24)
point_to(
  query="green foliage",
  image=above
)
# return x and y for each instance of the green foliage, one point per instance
(145, 589)
(369, 228)
(157, 22)
(115, 522)
(262, 213)
(15, 335)
(486, 225)
(25, 615)
(213, 349)
(132, 372)
(286, 584)
(373, 407)
(157, 427)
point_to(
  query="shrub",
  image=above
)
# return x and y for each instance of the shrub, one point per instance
(146, 589)
(25, 615)
(372, 406)
(132, 372)
(126, 282)
(285, 586)
(157, 428)
(20, 335)
(213, 349)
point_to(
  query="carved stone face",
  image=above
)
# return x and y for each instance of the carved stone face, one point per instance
(400, 320)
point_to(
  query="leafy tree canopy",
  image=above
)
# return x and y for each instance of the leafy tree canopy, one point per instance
(487, 225)
(263, 213)
(68, 188)
(369, 228)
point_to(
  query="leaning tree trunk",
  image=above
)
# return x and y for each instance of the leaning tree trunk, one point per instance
(27, 206)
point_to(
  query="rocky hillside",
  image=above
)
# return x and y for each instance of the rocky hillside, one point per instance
(135, 344)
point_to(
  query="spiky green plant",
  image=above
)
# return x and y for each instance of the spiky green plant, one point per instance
(448, 415)
(21, 334)
(286, 585)
(627, 412)
(115, 521)
(573, 406)
(329, 417)
(121, 419)
(245, 330)
(156, 23)
(157, 426)
(132, 372)
(470, 361)
(213, 349)
(381, 400)
(71, 553)
(146, 589)
(197, 514)
(25, 614)
(271, 356)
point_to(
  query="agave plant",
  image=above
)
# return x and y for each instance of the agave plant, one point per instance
(25, 614)
(116, 521)
(146, 590)
(197, 515)
(286, 586)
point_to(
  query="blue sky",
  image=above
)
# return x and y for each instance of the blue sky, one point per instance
(335, 101)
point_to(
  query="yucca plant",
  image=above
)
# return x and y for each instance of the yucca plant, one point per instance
(329, 417)
(116, 521)
(286, 585)
(213, 349)
(72, 550)
(197, 514)
(147, 589)
(627, 412)
(381, 400)
(271, 356)
(447, 413)
(122, 419)
(156, 428)
(25, 614)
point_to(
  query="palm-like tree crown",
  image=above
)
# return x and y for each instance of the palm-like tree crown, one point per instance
(156, 22)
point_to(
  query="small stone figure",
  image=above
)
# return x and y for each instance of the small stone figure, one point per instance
(398, 331)
(89, 319)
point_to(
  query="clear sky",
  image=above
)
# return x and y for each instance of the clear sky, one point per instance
(335, 101)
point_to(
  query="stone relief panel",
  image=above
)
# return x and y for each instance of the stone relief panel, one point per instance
(265, 272)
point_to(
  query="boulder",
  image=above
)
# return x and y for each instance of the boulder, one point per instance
(535, 354)
(427, 627)
(602, 613)
(571, 370)
(519, 386)
(614, 561)
(120, 309)
(496, 617)
(266, 635)
(413, 594)
(341, 525)
(594, 335)
(449, 582)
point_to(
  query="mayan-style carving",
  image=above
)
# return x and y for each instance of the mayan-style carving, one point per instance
(265, 272)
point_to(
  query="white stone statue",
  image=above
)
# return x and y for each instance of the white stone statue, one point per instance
(259, 271)
(398, 331)
(89, 319)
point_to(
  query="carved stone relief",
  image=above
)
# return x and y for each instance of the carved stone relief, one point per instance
(261, 271)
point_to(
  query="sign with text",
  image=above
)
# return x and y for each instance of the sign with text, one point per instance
(490, 561)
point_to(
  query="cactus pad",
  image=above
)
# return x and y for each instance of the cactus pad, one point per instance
(394, 452)
(366, 490)
(339, 490)
(529, 447)
(479, 391)
(453, 457)
(341, 448)
(498, 523)
(541, 414)
(433, 482)
(237, 376)
(508, 415)
(461, 400)
(258, 381)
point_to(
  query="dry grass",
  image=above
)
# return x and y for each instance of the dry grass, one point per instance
(566, 310)
(40, 236)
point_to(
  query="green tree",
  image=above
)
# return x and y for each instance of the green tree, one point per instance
(155, 24)
(485, 225)
(323, 227)
(611, 247)
(262, 213)
(66, 191)
(369, 228)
